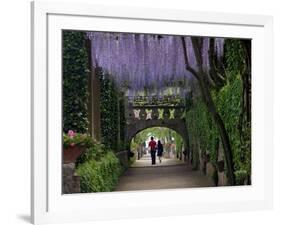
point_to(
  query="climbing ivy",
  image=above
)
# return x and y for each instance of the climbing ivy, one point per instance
(109, 111)
(178, 142)
(234, 59)
(228, 101)
(203, 133)
(235, 63)
(75, 78)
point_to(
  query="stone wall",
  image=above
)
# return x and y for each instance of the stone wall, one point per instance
(221, 175)
(123, 158)
(71, 182)
(210, 169)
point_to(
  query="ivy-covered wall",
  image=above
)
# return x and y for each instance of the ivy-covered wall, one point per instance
(203, 132)
(75, 78)
(112, 113)
(237, 122)
(75, 94)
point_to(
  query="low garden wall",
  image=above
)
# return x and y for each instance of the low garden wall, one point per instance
(123, 158)
(71, 181)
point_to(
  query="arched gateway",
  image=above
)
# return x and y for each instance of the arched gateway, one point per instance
(145, 112)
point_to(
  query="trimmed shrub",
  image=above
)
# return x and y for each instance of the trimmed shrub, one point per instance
(100, 176)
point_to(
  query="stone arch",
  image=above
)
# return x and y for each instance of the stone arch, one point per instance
(177, 125)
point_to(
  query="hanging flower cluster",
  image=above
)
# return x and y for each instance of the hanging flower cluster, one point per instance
(145, 61)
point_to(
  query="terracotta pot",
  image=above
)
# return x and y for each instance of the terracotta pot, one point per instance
(71, 153)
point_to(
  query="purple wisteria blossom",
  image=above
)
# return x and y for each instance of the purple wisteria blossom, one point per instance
(147, 61)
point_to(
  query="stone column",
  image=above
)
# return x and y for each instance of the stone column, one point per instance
(71, 182)
(94, 98)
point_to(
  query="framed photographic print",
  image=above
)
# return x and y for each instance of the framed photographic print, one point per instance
(135, 104)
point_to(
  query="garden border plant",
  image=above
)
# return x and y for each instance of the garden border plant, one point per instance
(98, 167)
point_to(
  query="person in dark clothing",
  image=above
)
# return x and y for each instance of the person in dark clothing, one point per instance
(152, 145)
(159, 150)
(185, 154)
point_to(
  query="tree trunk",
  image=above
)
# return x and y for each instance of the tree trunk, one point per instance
(204, 85)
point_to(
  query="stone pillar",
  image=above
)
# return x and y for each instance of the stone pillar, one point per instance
(71, 182)
(118, 123)
(94, 98)
(222, 178)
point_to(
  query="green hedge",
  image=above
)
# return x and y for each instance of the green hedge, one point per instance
(100, 176)
(75, 82)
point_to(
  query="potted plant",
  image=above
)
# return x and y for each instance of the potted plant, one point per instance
(74, 145)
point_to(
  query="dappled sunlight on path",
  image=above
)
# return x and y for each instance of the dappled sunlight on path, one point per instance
(145, 161)
(170, 174)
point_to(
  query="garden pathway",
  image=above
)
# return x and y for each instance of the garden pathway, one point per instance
(171, 173)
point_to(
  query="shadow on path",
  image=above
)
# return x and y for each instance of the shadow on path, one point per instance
(169, 174)
(145, 161)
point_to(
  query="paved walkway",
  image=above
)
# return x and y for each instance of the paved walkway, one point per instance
(171, 173)
(145, 161)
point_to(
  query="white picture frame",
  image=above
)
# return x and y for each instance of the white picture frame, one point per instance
(48, 204)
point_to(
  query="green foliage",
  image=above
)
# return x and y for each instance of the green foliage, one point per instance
(99, 168)
(93, 152)
(100, 176)
(202, 130)
(109, 111)
(234, 58)
(178, 141)
(77, 139)
(235, 63)
(156, 132)
(75, 81)
(203, 133)
(241, 176)
(161, 133)
(228, 101)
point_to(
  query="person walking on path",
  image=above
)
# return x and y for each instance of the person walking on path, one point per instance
(152, 145)
(159, 150)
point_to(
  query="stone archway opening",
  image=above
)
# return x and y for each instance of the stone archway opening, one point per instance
(173, 142)
(145, 112)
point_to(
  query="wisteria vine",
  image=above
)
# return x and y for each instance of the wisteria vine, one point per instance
(141, 62)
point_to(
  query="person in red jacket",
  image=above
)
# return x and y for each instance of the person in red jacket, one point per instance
(152, 145)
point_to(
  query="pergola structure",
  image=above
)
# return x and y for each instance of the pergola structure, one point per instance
(144, 66)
